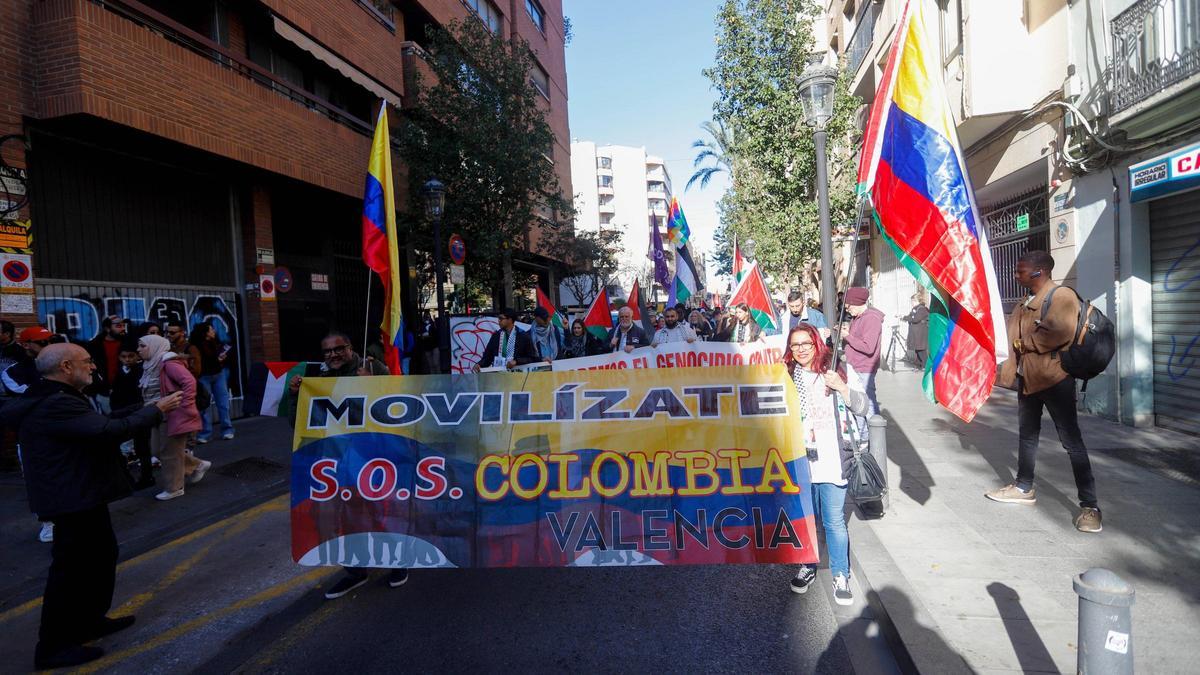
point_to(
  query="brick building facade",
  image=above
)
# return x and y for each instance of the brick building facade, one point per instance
(167, 156)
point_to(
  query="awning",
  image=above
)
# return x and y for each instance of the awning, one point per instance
(287, 32)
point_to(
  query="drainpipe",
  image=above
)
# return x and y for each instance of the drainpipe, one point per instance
(1116, 317)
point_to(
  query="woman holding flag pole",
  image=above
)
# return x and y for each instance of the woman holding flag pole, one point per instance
(828, 402)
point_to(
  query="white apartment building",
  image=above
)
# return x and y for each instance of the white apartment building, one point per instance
(1080, 122)
(620, 188)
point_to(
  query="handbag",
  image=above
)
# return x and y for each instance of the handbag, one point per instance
(865, 480)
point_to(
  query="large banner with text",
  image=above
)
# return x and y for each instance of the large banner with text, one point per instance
(573, 468)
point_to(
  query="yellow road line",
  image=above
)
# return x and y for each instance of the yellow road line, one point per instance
(314, 577)
(293, 637)
(135, 603)
(277, 504)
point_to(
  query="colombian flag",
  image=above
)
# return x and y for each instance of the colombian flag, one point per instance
(381, 250)
(913, 170)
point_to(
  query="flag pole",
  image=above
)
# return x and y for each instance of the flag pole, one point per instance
(367, 314)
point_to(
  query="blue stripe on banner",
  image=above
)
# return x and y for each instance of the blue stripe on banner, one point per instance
(927, 162)
(373, 208)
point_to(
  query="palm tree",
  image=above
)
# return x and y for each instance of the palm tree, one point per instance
(718, 151)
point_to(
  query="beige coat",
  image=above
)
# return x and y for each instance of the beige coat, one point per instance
(1035, 343)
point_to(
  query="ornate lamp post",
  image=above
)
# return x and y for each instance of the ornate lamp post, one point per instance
(435, 204)
(816, 98)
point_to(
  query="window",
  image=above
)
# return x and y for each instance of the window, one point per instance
(604, 181)
(488, 13)
(656, 187)
(605, 200)
(537, 14)
(382, 9)
(606, 218)
(541, 81)
(604, 162)
(951, 15)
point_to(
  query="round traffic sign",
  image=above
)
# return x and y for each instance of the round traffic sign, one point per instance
(458, 249)
(283, 279)
(268, 287)
(16, 271)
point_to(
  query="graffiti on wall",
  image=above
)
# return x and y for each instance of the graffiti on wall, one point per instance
(78, 312)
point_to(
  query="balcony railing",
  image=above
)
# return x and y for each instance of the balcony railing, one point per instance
(864, 35)
(1156, 44)
(192, 41)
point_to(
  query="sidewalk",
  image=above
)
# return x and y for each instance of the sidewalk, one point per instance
(246, 471)
(975, 585)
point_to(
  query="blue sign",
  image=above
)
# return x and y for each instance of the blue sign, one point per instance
(1173, 172)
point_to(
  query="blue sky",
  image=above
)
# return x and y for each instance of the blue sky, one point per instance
(633, 78)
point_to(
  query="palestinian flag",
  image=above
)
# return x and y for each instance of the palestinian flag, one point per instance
(267, 386)
(752, 290)
(598, 321)
(634, 301)
(544, 303)
(686, 279)
(740, 264)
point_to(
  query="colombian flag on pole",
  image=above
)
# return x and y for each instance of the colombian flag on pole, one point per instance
(913, 170)
(381, 250)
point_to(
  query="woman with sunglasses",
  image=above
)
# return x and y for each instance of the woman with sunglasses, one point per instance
(828, 400)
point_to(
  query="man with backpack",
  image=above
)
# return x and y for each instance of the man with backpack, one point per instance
(1040, 330)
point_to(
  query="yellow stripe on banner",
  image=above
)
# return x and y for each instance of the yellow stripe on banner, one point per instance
(920, 87)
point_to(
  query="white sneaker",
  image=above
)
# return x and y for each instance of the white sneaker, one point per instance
(198, 472)
(46, 536)
(841, 590)
(202, 441)
(165, 496)
(227, 437)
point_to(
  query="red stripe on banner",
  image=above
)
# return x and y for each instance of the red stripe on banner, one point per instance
(964, 379)
(943, 247)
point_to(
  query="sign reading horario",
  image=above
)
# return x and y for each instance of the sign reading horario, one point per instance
(1175, 171)
(675, 466)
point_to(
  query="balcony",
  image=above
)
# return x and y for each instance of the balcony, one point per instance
(607, 207)
(864, 34)
(1156, 48)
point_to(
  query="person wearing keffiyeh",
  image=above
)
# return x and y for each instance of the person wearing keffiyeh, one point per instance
(828, 402)
(547, 338)
(508, 346)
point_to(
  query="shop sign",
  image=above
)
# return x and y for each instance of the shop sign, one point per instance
(1175, 171)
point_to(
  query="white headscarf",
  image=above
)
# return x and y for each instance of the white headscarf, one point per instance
(158, 349)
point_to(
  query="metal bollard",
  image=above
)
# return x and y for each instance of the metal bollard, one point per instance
(1105, 624)
(877, 427)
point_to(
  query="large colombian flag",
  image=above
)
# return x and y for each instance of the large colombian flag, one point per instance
(381, 250)
(913, 170)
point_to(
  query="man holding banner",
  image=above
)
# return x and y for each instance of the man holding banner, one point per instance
(508, 347)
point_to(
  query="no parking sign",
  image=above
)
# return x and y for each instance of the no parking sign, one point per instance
(16, 273)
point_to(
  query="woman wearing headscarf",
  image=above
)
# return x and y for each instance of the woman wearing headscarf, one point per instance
(580, 342)
(164, 373)
(828, 399)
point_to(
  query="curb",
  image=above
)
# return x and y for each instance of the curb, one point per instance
(902, 632)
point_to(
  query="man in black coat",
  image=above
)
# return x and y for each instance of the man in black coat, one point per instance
(626, 336)
(72, 472)
(515, 345)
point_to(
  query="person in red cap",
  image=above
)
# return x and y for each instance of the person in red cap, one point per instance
(20, 375)
(863, 341)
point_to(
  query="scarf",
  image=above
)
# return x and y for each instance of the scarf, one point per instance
(159, 352)
(576, 345)
(545, 338)
(508, 344)
(824, 423)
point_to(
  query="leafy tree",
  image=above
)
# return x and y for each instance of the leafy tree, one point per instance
(590, 258)
(477, 126)
(762, 47)
(718, 150)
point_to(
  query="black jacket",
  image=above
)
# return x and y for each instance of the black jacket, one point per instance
(68, 450)
(125, 388)
(100, 385)
(591, 346)
(523, 352)
(636, 338)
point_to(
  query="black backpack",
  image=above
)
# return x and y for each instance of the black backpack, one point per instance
(1095, 341)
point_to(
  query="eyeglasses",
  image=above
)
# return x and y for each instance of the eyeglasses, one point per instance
(335, 350)
(801, 345)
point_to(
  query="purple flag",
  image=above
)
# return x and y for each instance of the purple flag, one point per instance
(661, 275)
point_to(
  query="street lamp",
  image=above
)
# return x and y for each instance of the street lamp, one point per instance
(816, 98)
(435, 204)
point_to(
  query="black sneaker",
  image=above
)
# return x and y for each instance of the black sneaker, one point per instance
(65, 657)
(397, 577)
(804, 579)
(344, 586)
(842, 594)
(107, 626)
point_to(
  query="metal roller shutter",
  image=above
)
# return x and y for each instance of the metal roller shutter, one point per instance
(1175, 262)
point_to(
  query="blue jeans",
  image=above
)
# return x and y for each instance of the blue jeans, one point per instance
(829, 502)
(868, 383)
(218, 390)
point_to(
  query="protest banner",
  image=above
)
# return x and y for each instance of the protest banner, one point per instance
(579, 468)
(683, 355)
